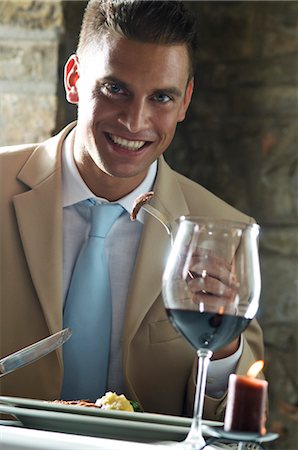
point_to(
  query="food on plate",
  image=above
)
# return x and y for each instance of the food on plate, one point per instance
(109, 401)
(75, 403)
(113, 401)
(139, 202)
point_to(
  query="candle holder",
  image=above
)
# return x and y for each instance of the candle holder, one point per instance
(241, 437)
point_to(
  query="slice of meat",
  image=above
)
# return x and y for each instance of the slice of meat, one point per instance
(139, 202)
(75, 403)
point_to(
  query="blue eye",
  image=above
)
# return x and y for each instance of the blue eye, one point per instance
(110, 88)
(162, 98)
(115, 88)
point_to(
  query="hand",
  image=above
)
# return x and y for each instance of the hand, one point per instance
(213, 282)
(214, 286)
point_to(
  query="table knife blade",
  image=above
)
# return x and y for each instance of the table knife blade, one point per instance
(33, 352)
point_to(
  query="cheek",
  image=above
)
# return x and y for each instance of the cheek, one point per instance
(88, 101)
(102, 109)
(86, 108)
(167, 124)
(93, 111)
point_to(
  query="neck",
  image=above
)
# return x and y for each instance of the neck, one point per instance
(103, 184)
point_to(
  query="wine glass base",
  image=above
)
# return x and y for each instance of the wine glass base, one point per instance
(194, 442)
(185, 445)
(190, 443)
(214, 446)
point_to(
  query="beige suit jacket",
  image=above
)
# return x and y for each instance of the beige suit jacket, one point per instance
(157, 362)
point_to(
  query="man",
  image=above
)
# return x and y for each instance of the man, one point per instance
(132, 80)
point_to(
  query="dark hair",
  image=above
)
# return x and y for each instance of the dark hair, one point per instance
(161, 22)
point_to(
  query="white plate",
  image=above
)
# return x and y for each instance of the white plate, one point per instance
(140, 427)
(240, 436)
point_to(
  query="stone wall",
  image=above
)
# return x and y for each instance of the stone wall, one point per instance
(30, 34)
(239, 139)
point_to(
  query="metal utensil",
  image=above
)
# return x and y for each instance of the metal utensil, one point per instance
(141, 202)
(33, 352)
(161, 217)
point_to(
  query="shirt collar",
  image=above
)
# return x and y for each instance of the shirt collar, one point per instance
(75, 189)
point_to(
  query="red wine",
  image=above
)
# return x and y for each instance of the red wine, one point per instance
(207, 330)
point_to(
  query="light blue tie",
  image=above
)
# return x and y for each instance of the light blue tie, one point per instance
(88, 312)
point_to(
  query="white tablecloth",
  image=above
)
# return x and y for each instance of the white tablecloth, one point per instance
(14, 438)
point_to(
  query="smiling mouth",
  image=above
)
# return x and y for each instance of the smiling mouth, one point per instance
(126, 143)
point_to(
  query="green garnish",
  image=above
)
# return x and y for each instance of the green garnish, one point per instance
(136, 406)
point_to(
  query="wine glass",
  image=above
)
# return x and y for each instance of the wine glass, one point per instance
(211, 289)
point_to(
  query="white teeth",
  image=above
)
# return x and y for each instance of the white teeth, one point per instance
(131, 145)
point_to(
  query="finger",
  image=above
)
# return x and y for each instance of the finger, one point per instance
(212, 269)
(211, 303)
(205, 254)
(212, 286)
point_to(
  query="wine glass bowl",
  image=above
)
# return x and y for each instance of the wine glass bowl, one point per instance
(211, 289)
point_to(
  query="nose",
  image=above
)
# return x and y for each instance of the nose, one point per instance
(134, 116)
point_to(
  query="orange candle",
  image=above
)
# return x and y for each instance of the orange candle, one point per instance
(246, 403)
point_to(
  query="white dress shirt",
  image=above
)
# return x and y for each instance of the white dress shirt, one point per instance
(121, 245)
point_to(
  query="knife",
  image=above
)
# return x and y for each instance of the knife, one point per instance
(33, 352)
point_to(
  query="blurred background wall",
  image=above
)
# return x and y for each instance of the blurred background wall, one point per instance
(239, 139)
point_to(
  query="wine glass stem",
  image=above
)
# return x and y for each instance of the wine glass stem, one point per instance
(195, 436)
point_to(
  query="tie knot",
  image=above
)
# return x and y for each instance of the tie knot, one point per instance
(102, 218)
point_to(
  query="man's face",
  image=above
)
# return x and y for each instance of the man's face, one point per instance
(130, 97)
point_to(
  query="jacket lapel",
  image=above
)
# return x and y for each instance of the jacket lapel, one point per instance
(153, 251)
(39, 217)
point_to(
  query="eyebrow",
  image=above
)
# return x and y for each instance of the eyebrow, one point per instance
(167, 90)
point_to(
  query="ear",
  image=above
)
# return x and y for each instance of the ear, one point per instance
(71, 76)
(186, 100)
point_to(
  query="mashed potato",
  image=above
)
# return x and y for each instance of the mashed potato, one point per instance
(113, 401)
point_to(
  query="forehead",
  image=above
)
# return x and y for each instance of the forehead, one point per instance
(139, 61)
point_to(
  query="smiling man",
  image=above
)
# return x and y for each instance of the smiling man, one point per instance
(130, 96)
(132, 81)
